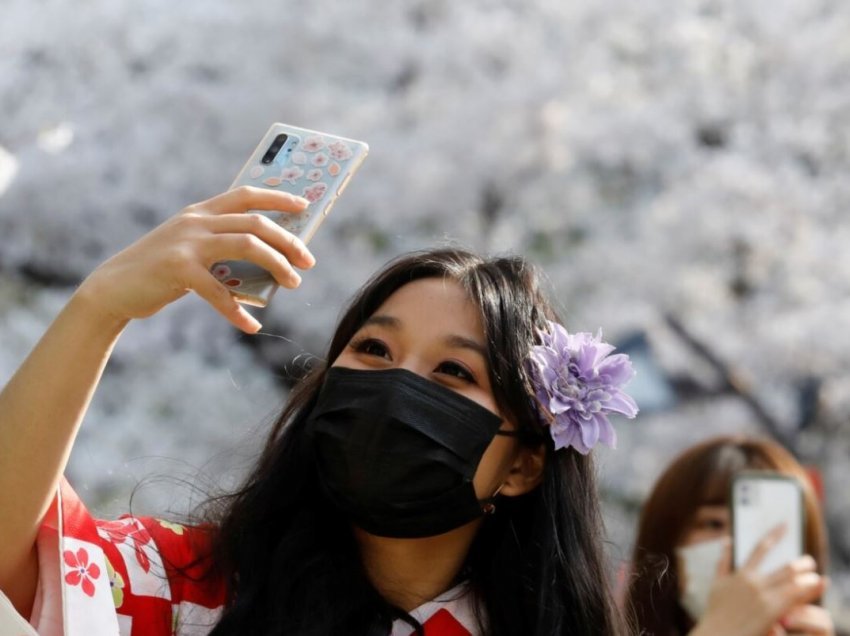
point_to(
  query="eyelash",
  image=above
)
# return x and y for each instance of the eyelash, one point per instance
(450, 368)
(362, 345)
(711, 524)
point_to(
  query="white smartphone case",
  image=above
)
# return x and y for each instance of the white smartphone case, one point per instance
(761, 501)
(311, 164)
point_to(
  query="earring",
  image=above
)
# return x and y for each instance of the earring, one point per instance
(488, 506)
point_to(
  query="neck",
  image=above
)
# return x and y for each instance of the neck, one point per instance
(410, 572)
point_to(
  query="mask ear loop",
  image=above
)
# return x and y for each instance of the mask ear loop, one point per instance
(488, 506)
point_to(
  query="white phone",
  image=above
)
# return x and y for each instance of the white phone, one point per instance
(761, 501)
(311, 164)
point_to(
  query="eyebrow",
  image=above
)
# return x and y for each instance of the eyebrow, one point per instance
(459, 342)
(453, 341)
(383, 321)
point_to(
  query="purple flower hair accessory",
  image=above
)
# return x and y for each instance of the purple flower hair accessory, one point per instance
(577, 384)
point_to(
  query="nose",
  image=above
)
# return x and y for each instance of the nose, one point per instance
(414, 364)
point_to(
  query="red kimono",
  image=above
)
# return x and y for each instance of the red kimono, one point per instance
(129, 577)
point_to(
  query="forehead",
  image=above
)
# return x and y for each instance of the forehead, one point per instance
(434, 307)
(712, 510)
(715, 489)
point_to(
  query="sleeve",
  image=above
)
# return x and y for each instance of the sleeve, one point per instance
(133, 576)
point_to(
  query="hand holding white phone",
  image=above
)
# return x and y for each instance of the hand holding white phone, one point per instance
(314, 165)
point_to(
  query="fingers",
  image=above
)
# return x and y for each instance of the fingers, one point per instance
(798, 566)
(219, 230)
(217, 295)
(810, 620)
(247, 198)
(764, 546)
(802, 589)
(268, 231)
(797, 583)
(250, 248)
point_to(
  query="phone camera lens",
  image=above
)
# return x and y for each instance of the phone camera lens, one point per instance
(277, 144)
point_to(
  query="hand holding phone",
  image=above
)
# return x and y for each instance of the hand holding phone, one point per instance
(310, 164)
(761, 502)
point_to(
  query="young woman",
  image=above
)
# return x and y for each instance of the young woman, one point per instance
(682, 580)
(433, 478)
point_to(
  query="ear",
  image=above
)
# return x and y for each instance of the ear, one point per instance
(526, 473)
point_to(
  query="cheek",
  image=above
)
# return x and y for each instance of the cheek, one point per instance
(494, 466)
(681, 575)
(345, 359)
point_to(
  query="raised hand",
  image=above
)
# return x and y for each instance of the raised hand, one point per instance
(175, 258)
(747, 603)
(43, 405)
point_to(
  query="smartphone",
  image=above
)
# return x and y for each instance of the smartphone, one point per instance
(762, 500)
(311, 164)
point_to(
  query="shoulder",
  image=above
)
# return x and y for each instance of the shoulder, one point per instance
(179, 553)
(125, 575)
(154, 562)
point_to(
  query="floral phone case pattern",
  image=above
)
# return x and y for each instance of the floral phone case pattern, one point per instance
(310, 164)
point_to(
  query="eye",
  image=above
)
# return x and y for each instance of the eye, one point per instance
(711, 520)
(712, 524)
(456, 370)
(371, 347)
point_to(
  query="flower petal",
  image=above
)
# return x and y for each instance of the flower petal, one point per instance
(70, 559)
(88, 587)
(617, 369)
(558, 336)
(622, 403)
(577, 442)
(549, 375)
(559, 405)
(142, 558)
(590, 432)
(607, 434)
(565, 433)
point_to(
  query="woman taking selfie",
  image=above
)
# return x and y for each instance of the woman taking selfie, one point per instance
(433, 477)
(682, 579)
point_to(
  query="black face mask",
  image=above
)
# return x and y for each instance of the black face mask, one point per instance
(397, 452)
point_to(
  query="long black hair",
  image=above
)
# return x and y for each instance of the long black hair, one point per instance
(536, 566)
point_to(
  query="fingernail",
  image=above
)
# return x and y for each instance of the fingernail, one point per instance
(302, 201)
(311, 260)
(295, 278)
